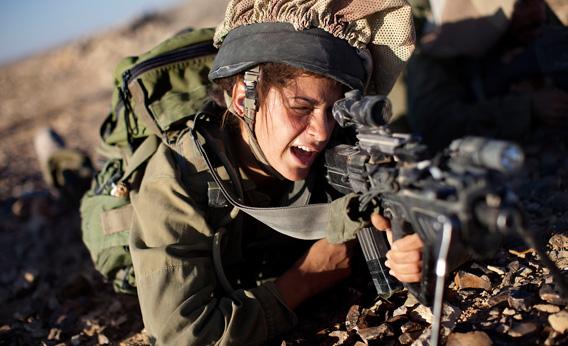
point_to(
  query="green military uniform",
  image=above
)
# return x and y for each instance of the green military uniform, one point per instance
(445, 102)
(173, 246)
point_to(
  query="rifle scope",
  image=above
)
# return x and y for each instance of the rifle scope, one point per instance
(368, 111)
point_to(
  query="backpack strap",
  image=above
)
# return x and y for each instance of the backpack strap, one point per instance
(136, 89)
(302, 222)
(141, 155)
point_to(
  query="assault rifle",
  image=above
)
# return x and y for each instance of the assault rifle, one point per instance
(457, 200)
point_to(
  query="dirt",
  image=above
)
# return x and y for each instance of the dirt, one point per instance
(50, 293)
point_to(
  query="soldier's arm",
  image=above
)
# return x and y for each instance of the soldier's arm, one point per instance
(180, 297)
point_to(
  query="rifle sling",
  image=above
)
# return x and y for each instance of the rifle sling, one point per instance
(307, 222)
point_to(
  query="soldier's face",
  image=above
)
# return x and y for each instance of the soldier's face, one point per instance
(294, 124)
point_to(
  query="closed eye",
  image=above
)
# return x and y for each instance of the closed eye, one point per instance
(302, 110)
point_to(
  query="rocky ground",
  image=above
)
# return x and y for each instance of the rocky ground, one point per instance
(50, 293)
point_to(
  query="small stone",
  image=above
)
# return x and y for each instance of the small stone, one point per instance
(341, 335)
(519, 281)
(379, 304)
(502, 328)
(525, 272)
(550, 295)
(397, 318)
(518, 317)
(422, 313)
(410, 326)
(76, 340)
(373, 333)
(559, 321)
(514, 266)
(497, 270)
(408, 338)
(5, 328)
(103, 340)
(352, 317)
(91, 329)
(475, 338)
(507, 279)
(402, 310)
(411, 301)
(467, 280)
(520, 300)
(522, 329)
(562, 263)
(551, 309)
(558, 241)
(450, 315)
(509, 312)
(425, 337)
(498, 299)
(522, 253)
(54, 334)
(551, 339)
(493, 315)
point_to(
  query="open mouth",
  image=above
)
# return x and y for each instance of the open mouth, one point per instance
(304, 154)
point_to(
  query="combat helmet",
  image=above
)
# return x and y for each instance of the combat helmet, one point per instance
(362, 44)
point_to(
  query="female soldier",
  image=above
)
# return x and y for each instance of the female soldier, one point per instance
(206, 273)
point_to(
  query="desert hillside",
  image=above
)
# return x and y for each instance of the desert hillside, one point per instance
(69, 88)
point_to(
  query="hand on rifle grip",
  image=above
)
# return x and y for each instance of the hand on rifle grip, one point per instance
(405, 256)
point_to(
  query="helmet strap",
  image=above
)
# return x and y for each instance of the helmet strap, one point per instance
(251, 79)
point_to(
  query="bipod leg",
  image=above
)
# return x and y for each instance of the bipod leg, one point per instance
(441, 272)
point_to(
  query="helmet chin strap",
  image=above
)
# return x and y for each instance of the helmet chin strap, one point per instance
(251, 107)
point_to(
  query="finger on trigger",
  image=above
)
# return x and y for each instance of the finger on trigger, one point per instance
(380, 222)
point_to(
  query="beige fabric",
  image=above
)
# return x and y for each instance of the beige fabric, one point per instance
(560, 9)
(383, 27)
(466, 27)
(117, 220)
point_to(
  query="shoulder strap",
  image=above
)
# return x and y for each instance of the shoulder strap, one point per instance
(301, 222)
(141, 155)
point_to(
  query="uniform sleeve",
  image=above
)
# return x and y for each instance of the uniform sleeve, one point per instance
(440, 107)
(180, 299)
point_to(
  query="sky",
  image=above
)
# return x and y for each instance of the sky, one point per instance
(29, 26)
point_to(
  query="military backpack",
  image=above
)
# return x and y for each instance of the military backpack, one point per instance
(155, 94)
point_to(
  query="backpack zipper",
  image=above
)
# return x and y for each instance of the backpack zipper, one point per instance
(184, 53)
(181, 54)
